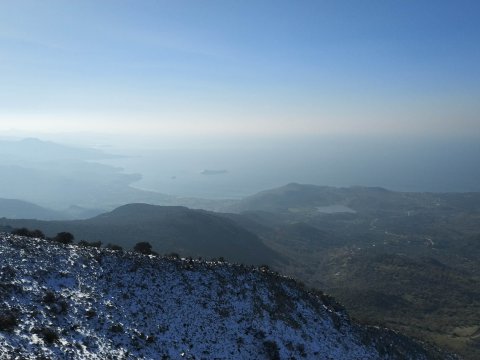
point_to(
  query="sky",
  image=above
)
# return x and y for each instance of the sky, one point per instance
(252, 67)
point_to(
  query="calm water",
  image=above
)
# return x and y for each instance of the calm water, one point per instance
(406, 165)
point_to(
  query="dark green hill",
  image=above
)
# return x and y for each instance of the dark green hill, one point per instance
(287, 197)
(299, 198)
(168, 228)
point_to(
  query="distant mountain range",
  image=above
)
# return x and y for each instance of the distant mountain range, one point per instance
(306, 198)
(18, 209)
(38, 150)
(60, 177)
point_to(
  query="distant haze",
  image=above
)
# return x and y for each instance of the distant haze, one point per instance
(226, 98)
(249, 68)
(419, 164)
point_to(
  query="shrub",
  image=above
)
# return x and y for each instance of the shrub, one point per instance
(64, 237)
(28, 233)
(7, 274)
(271, 349)
(114, 247)
(94, 244)
(49, 298)
(8, 321)
(90, 313)
(117, 328)
(301, 350)
(264, 268)
(150, 339)
(38, 234)
(143, 248)
(62, 307)
(49, 335)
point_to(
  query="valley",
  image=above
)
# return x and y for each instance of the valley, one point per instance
(408, 261)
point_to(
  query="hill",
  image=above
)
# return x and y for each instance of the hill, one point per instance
(63, 177)
(79, 303)
(168, 228)
(39, 150)
(18, 209)
(303, 198)
(407, 260)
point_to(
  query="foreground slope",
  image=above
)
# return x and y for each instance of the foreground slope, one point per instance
(61, 301)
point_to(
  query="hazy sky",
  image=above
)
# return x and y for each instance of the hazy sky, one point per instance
(241, 67)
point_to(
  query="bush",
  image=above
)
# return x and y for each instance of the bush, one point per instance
(143, 248)
(28, 233)
(150, 339)
(64, 237)
(264, 268)
(48, 335)
(114, 247)
(62, 307)
(49, 298)
(94, 244)
(8, 321)
(117, 328)
(271, 349)
(90, 313)
(21, 232)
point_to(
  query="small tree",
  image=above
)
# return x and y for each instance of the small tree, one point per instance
(64, 237)
(143, 247)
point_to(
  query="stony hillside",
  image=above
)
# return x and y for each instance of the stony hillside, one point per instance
(63, 301)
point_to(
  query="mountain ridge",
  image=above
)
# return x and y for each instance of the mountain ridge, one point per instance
(98, 303)
(178, 229)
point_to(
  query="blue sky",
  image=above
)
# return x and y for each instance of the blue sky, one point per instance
(241, 67)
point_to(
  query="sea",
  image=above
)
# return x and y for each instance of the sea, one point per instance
(238, 169)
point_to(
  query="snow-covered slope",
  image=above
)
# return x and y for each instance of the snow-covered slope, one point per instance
(66, 302)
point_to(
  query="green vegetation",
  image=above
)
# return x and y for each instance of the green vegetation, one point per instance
(64, 237)
(409, 261)
(195, 233)
(29, 233)
(143, 247)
